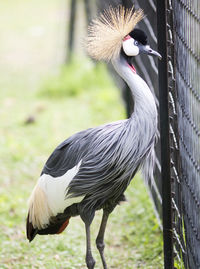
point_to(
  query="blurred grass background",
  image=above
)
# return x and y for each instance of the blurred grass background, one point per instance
(42, 103)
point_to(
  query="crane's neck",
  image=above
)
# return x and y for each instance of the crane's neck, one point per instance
(144, 102)
(140, 130)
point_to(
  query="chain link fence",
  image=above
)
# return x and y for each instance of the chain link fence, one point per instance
(187, 76)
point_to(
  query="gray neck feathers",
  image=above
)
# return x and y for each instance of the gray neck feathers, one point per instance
(143, 98)
(145, 111)
(142, 125)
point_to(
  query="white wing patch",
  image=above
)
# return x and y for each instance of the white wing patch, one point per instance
(49, 197)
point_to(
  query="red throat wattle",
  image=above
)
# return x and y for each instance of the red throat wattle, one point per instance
(132, 67)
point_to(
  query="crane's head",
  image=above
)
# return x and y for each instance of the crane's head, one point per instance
(135, 43)
(113, 33)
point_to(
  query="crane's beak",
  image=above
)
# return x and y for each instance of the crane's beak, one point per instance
(147, 50)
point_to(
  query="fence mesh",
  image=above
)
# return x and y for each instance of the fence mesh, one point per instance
(187, 51)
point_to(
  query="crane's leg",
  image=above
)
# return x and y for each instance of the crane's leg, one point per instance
(89, 258)
(100, 237)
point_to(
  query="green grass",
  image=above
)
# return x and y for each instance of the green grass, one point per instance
(61, 104)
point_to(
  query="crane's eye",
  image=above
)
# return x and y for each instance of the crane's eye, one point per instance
(136, 43)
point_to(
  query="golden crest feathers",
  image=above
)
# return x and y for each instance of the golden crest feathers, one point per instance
(106, 33)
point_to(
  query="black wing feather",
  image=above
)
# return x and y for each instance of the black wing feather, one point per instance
(67, 154)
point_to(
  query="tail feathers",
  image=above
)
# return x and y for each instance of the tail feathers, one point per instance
(56, 227)
(30, 231)
(40, 218)
(53, 228)
(39, 211)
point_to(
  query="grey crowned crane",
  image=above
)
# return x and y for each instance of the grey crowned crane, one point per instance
(91, 169)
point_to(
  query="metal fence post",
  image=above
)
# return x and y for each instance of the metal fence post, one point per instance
(164, 132)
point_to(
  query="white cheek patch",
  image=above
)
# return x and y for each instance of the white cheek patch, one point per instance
(129, 48)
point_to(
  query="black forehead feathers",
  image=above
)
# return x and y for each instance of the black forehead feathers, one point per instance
(139, 35)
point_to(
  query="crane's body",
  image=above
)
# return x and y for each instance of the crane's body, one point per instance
(92, 169)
